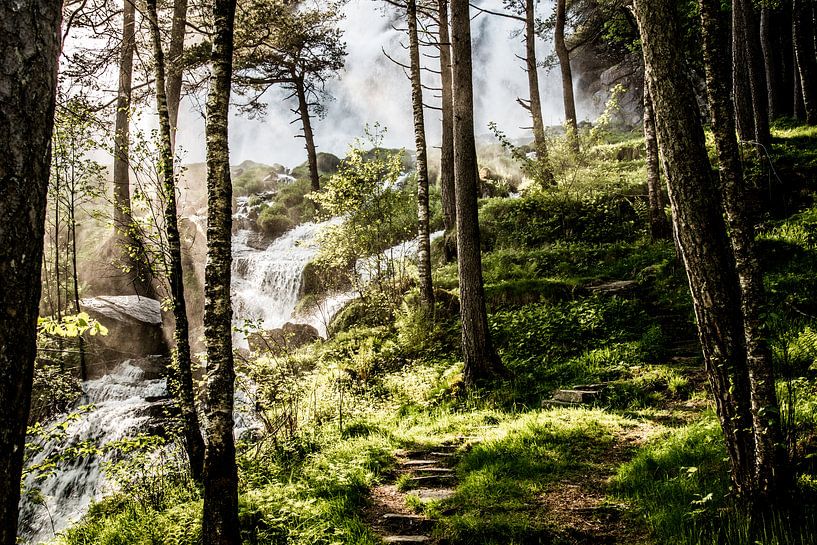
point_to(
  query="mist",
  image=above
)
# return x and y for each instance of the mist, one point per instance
(373, 89)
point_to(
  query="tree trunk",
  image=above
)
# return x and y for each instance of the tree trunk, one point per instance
(220, 477)
(447, 194)
(563, 55)
(659, 226)
(175, 69)
(30, 42)
(769, 456)
(121, 176)
(700, 229)
(757, 75)
(481, 362)
(309, 136)
(184, 392)
(535, 103)
(72, 223)
(803, 33)
(769, 61)
(423, 241)
(741, 88)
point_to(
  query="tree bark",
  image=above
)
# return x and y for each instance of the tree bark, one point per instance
(220, 478)
(423, 240)
(769, 455)
(309, 135)
(447, 193)
(757, 76)
(770, 64)
(481, 362)
(175, 69)
(121, 175)
(659, 226)
(183, 391)
(700, 229)
(803, 34)
(741, 88)
(30, 42)
(563, 55)
(534, 104)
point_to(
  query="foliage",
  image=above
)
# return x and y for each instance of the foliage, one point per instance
(379, 210)
(541, 218)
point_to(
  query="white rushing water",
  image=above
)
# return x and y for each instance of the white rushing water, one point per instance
(126, 402)
(267, 283)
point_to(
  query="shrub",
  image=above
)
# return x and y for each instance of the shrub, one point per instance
(541, 218)
(273, 224)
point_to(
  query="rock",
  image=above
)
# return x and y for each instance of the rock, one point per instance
(575, 396)
(406, 539)
(134, 331)
(283, 339)
(617, 287)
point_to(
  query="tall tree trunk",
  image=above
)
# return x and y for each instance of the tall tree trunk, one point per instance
(447, 193)
(563, 55)
(309, 136)
(175, 69)
(769, 456)
(481, 362)
(741, 88)
(534, 103)
(700, 229)
(757, 74)
(72, 223)
(659, 226)
(121, 175)
(770, 64)
(30, 42)
(423, 241)
(183, 391)
(220, 478)
(803, 34)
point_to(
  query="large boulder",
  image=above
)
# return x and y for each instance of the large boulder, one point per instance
(284, 339)
(134, 331)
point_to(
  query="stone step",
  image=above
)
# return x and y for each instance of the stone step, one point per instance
(406, 539)
(576, 396)
(412, 463)
(432, 494)
(399, 522)
(434, 470)
(443, 454)
(431, 479)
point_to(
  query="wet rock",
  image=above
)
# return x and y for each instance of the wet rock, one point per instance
(289, 337)
(134, 331)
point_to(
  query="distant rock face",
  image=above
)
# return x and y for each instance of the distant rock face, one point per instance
(134, 331)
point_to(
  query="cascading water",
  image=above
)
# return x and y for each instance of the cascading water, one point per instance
(267, 283)
(126, 402)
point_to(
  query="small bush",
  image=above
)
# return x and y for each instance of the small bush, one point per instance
(273, 224)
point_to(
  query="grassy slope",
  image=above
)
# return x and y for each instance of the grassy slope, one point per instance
(645, 465)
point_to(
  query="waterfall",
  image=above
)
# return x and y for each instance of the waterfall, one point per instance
(126, 402)
(267, 283)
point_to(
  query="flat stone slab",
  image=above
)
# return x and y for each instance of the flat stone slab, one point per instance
(575, 396)
(429, 479)
(418, 462)
(432, 494)
(434, 470)
(406, 539)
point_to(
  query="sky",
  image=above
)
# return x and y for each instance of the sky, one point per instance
(372, 89)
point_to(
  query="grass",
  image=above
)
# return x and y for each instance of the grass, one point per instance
(649, 449)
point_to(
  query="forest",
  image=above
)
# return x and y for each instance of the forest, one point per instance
(335, 272)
